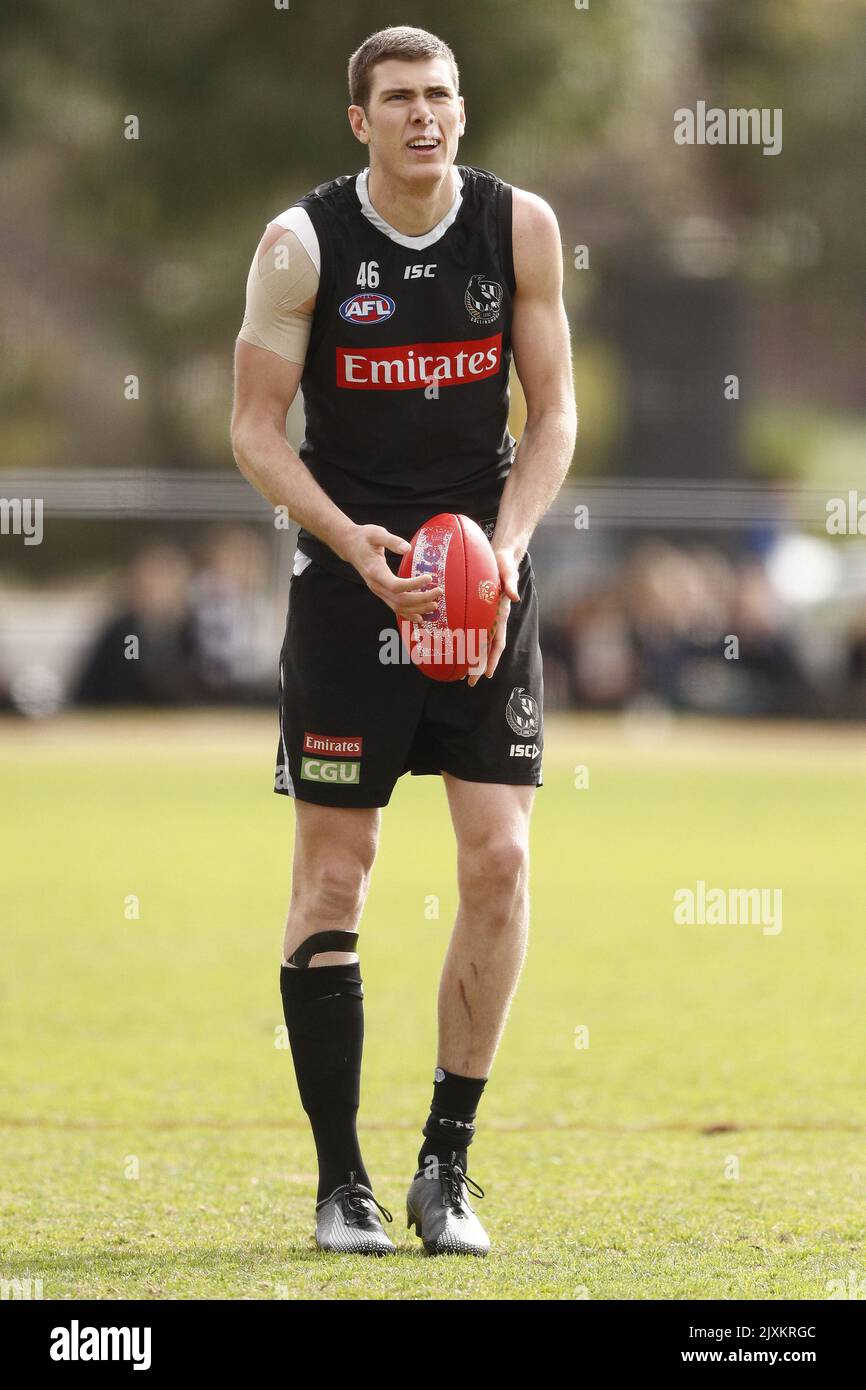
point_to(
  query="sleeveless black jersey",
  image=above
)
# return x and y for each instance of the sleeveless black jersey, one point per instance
(405, 381)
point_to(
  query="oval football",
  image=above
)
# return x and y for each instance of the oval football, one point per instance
(454, 551)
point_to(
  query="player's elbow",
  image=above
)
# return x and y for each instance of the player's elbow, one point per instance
(241, 447)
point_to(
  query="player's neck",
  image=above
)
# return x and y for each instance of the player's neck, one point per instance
(410, 209)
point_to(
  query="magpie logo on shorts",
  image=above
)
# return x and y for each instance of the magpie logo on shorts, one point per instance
(522, 713)
(483, 299)
(367, 308)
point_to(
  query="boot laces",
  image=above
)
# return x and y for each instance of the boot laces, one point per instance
(355, 1204)
(454, 1180)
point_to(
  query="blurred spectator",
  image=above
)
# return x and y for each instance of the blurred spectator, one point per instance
(689, 629)
(230, 609)
(856, 669)
(143, 656)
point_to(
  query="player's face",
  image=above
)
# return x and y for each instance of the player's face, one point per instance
(414, 118)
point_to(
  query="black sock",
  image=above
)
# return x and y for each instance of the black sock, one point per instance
(450, 1129)
(324, 1012)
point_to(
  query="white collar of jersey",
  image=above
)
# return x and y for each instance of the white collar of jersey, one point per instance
(415, 243)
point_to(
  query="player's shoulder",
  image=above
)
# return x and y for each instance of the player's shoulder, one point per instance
(331, 190)
(482, 183)
(537, 243)
(532, 215)
(333, 195)
(325, 195)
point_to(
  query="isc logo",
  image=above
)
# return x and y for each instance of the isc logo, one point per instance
(367, 308)
(418, 272)
(524, 750)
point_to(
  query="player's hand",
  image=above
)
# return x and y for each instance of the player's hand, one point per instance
(508, 574)
(408, 598)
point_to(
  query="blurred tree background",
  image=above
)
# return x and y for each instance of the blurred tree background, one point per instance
(125, 256)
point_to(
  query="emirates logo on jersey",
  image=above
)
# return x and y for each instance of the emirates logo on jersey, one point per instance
(412, 366)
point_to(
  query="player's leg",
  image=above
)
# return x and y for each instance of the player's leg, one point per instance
(335, 847)
(479, 977)
(488, 943)
(324, 1010)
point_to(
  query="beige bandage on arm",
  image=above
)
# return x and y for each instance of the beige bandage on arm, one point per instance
(280, 279)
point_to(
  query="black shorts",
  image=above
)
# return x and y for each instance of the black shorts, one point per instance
(351, 724)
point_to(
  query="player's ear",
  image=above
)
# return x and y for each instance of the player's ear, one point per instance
(358, 122)
(462, 116)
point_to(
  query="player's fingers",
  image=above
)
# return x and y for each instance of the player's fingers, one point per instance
(492, 664)
(477, 671)
(411, 607)
(418, 600)
(509, 587)
(418, 593)
(422, 582)
(395, 543)
(498, 646)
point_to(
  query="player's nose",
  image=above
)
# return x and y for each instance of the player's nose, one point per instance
(421, 112)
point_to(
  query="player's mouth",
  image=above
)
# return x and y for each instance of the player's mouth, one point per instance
(424, 145)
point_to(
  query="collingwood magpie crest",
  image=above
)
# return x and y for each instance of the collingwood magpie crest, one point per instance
(522, 714)
(483, 299)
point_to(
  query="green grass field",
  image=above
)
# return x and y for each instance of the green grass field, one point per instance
(707, 1144)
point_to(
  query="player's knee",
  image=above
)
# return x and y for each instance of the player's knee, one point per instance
(335, 890)
(496, 865)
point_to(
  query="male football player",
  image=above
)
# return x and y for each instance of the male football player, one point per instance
(396, 298)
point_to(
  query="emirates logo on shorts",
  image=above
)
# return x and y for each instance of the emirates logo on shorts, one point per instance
(522, 713)
(335, 745)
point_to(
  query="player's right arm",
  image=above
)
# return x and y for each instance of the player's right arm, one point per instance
(274, 332)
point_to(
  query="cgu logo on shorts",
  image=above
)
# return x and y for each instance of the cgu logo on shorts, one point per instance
(367, 308)
(332, 768)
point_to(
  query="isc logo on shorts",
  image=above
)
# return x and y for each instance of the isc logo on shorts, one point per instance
(367, 308)
(524, 750)
(322, 770)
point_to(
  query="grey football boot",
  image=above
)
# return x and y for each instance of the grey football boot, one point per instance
(439, 1208)
(348, 1221)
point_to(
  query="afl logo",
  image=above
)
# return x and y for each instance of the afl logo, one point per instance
(367, 308)
(483, 299)
(522, 713)
(487, 590)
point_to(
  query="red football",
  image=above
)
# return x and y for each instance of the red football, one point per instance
(448, 641)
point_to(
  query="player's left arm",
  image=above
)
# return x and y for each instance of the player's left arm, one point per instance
(542, 357)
